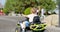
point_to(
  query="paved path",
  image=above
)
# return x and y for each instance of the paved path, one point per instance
(8, 24)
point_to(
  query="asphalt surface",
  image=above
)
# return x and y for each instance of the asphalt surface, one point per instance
(8, 24)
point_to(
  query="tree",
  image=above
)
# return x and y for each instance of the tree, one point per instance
(9, 6)
(21, 5)
(48, 5)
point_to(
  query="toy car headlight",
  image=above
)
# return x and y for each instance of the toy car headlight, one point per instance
(18, 24)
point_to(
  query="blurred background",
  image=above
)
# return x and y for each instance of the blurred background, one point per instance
(11, 11)
(12, 7)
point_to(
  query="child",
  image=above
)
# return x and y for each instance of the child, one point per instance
(32, 15)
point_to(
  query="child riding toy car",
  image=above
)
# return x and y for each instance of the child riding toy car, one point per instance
(35, 26)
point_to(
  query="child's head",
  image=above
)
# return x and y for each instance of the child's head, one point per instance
(33, 10)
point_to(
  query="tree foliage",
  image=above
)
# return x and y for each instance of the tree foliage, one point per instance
(21, 5)
(9, 6)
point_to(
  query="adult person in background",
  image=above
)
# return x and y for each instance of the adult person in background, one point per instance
(2, 13)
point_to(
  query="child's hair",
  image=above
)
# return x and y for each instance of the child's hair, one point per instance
(27, 19)
(33, 10)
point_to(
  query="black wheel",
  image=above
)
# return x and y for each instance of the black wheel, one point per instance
(18, 29)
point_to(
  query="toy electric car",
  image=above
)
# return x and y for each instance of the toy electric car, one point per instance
(33, 27)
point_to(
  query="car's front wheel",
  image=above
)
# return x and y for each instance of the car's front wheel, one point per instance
(18, 30)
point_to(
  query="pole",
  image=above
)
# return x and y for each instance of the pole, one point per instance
(59, 10)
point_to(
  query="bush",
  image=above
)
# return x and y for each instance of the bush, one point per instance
(6, 11)
(27, 11)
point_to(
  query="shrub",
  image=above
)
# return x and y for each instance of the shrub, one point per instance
(6, 11)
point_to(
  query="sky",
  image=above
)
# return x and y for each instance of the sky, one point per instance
(2, 2)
